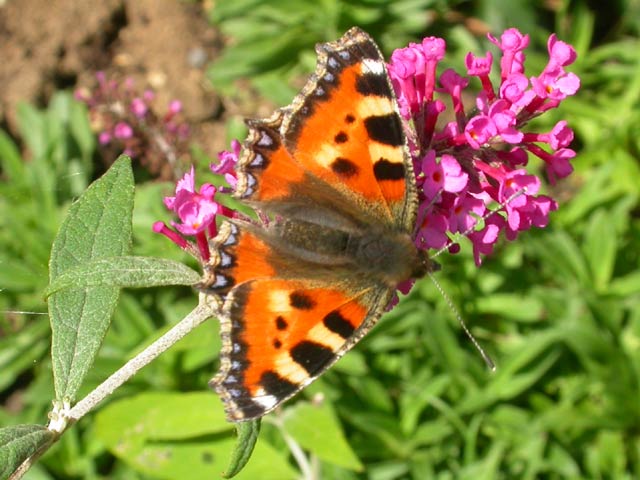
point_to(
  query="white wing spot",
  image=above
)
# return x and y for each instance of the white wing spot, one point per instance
(370, 65)
(265, 400)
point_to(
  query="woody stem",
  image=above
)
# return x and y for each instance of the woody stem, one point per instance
(198, 315)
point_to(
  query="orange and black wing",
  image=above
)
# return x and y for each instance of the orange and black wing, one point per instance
(278, 333)
(342, 136)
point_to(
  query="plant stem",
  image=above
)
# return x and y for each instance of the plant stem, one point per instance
(198, 315)
(299, 455)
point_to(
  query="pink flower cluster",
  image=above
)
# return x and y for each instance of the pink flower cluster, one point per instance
(462, 167)
(476, 159)
(197, 209)
(126, 121)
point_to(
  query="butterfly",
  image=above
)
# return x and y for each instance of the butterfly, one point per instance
(333, 174)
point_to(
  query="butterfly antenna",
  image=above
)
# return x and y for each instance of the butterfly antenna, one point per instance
(485, 356)
(484, 217)
(476, 344)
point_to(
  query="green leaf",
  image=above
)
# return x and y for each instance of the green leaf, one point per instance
(562, 252)
(529, 361)
(133, 272)
(81, 129)
(317, 429)
(417, 398)
(489, 467)
(626, 285)
(599, 248)
(16, 274)
(180, 435)
(98, 225)
(32, 129)
(519, 307)
(10, 159)
(18, 443)
(18, 351)
(248, 433)
(606, 456)
(162, 416)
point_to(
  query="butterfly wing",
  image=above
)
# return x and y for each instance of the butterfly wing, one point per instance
(343, 134)
(280, 333)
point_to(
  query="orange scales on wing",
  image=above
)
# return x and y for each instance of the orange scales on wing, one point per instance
(335, 144)
(283, 319)
(268, 160)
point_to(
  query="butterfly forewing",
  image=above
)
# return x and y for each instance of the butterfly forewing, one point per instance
(342, 130)
(345, 126)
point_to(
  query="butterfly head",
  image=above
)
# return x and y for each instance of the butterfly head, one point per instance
(424, 264)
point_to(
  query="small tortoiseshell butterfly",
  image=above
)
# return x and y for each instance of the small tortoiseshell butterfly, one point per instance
(333, 173)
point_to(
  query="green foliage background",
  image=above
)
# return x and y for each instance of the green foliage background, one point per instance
(558, 310)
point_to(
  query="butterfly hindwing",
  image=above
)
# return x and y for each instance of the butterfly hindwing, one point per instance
(279, 333)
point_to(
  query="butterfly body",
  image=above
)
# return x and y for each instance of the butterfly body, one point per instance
(333, 175)
(342, 248)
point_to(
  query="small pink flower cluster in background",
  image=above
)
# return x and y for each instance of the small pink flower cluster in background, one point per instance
(472, 161)
(126, 122)
(479, 158)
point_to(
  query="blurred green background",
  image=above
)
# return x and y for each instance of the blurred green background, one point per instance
(558, 310)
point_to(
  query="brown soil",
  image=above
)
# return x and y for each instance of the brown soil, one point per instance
(46, 45)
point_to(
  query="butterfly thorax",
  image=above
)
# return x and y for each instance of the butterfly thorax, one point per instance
(390, 256)
(385, 256)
